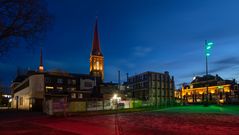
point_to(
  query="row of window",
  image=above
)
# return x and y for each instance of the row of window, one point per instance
(60, 80)
(148, 77)
(153, 84)
(76, 95)
(50, 88)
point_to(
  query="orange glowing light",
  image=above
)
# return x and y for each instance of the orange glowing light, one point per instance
(41, 68)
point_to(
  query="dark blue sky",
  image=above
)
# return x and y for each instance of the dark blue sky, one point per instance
(137, 36)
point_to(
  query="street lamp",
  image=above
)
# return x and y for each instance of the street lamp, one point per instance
(208, 48)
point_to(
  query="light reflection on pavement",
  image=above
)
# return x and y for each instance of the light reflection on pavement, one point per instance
(138, 123)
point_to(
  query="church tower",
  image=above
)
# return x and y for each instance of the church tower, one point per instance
(41, 68)
(96, 56)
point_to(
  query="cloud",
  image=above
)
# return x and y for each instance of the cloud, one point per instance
(218, 66)
(141, 51)
(227, 61)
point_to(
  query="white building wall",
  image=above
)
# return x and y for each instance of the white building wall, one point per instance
(23, 95)
(34, 90)
(37, 85)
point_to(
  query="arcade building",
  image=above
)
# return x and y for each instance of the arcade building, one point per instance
(219, 90)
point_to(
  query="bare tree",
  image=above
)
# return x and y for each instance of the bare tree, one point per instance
(22, 23)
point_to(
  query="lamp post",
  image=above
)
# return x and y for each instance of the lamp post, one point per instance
(208, 47)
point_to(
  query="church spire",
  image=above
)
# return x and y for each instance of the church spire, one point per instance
(41, 68)
(96, 56)
(96, 43)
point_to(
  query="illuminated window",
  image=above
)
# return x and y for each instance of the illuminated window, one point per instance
(59, 88)
(97, 65)
(48, 88)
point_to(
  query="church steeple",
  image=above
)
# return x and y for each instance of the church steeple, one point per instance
(41, 68)
(96, 43)
(96, 56)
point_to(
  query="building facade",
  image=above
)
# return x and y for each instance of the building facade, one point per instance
(219, 90)
(30, 92)
(157, 88)
(32, 89)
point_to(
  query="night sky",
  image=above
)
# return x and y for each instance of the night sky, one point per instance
(137, 36)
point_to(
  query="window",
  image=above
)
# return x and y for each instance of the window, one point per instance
(59, 80)
(235, 87)
(48, 88)
(73, 95)
(73, 82)
(59, 88)
(88, 84)
(21, 100)
(162, 84)
(70, 81)
(48, 80)
(153, 84)
(80, 95)
(97, 65)
(145, 77)
(71, 89)
(153, 76)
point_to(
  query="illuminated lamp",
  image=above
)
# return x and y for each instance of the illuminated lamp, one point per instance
(115, 96)
(221, 101)
(208, 48)
(41, 68)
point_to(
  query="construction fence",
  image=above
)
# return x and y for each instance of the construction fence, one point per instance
(61, 105)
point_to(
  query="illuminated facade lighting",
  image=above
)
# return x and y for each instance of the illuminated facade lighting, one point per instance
(218, 89)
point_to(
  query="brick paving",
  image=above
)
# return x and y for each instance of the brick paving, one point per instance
(138, 123)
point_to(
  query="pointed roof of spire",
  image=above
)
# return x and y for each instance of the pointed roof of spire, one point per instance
(41, 60)
(96, 42)
(41, 68)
